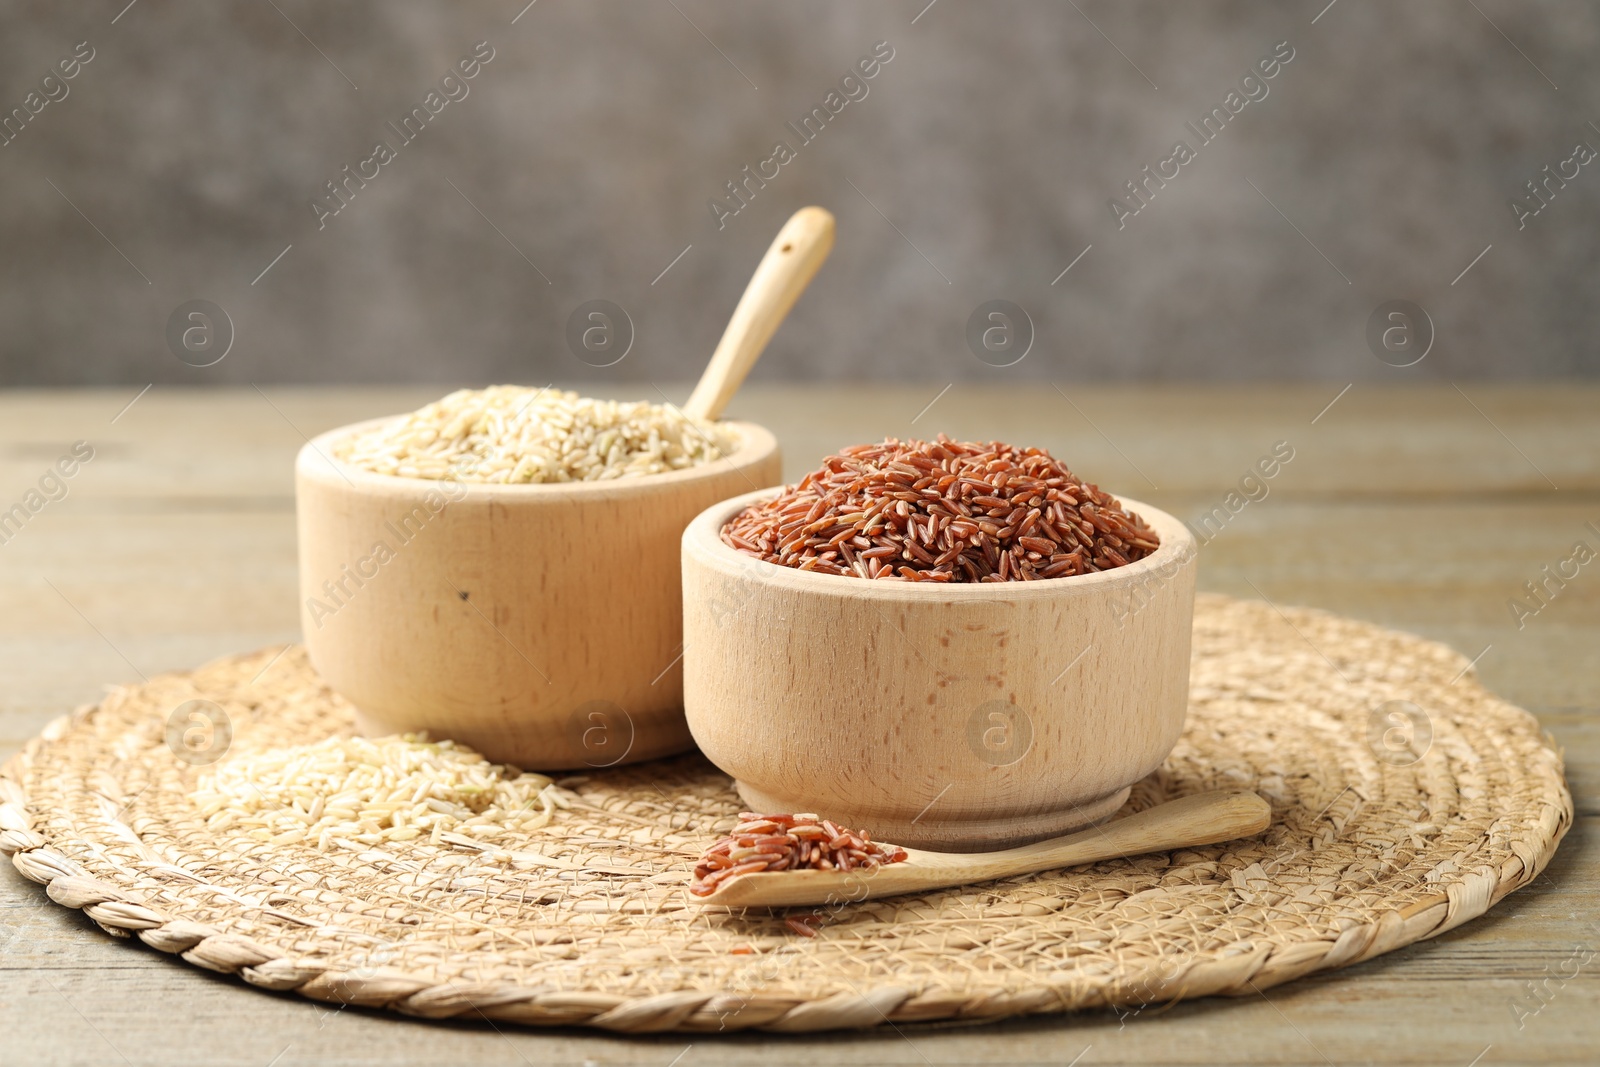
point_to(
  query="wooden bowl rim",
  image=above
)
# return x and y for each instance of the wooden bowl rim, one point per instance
(701, 539)
(316, 460)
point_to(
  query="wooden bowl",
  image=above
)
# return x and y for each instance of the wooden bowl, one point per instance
(540, 624)
(961, 717)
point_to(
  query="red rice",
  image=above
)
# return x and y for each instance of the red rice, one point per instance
(787, 843)
(945, 511)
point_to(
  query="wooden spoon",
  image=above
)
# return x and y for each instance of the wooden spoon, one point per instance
(1201, 819)
(780, 278)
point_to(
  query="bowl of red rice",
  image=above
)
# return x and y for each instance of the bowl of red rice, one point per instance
(953, 645)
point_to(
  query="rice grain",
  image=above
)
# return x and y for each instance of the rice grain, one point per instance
(945, 511)
(511, 434)
(366, 791)
(787, 843)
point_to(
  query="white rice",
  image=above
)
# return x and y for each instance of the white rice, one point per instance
(398, 788)
(514, 434)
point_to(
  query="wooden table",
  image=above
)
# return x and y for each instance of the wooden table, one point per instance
(1421, 508)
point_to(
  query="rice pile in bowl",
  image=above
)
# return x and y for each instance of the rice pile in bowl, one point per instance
(943, 511)
(511, 434)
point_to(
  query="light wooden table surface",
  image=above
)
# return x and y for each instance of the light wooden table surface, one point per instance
(1421, 508)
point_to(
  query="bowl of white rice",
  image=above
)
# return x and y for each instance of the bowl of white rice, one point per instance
(500, 567)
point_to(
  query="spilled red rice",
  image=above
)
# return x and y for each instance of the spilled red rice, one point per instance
(787, 843)
(943, 511)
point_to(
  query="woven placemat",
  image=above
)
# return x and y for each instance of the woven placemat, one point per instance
(1406, 801)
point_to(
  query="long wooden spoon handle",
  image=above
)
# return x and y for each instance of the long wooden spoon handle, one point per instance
(782, 276)
(1201, 819)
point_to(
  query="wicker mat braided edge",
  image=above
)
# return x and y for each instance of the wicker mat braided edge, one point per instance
(1406, 799)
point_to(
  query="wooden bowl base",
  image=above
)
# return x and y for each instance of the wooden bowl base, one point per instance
(955, 835)
(634, 740)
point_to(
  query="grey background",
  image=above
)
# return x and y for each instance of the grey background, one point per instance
(982, 162)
